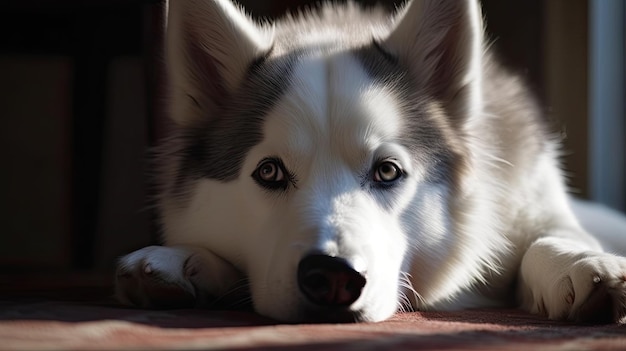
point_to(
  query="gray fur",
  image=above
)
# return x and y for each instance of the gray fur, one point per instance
(216, 149)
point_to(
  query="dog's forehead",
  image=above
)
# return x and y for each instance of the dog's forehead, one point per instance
(332, 102)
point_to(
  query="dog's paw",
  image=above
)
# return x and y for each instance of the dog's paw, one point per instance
(172, 277)
(154, 277)
(591, 290)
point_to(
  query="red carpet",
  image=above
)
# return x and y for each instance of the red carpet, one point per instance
(84, 318)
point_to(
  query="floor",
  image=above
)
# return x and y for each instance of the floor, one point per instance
(78, 313)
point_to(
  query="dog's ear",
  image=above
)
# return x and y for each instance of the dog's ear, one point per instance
(440, 43)
(210, 46)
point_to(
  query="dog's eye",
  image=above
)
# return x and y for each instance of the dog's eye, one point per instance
(271, 174)
(387, 172)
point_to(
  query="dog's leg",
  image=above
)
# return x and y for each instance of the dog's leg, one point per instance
(179, 276)
(564, 278)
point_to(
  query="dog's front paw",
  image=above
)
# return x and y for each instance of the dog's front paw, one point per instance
(595, 289)
(154, 276)
(167, 277)
(591, 290)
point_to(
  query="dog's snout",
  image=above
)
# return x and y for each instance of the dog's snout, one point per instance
(329, 281)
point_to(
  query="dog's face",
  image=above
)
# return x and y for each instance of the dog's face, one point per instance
(330, 178)
(324, 165)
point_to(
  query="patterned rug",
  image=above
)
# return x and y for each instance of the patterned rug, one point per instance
(75, 317)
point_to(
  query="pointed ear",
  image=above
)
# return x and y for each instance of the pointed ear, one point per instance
(440, 43)
(210, 46)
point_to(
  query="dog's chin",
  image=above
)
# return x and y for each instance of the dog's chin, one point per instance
(295, 308)
(333, 315)
(324, 315)
(308, 313)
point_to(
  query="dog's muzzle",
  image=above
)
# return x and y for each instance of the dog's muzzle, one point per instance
(329, 281)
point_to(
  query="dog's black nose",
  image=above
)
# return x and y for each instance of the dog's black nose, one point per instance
(329, 281)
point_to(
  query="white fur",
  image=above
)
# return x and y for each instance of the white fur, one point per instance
(423, 244)
(323, 140)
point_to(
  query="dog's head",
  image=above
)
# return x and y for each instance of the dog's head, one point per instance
(319, 154)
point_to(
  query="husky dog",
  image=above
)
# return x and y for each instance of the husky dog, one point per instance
(347, 164)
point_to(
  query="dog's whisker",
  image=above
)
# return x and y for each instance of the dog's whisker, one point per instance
(403, 302)
(238, 295)
(244, 302)
(405, 282)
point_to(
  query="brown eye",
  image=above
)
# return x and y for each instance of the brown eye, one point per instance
(269, 171)
(271, 174)
(387, 172)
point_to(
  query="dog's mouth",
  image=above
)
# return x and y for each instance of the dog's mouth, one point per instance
(320, 315)
(308, 314)
(328, 289)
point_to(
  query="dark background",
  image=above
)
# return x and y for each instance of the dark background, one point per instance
(80, 104)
